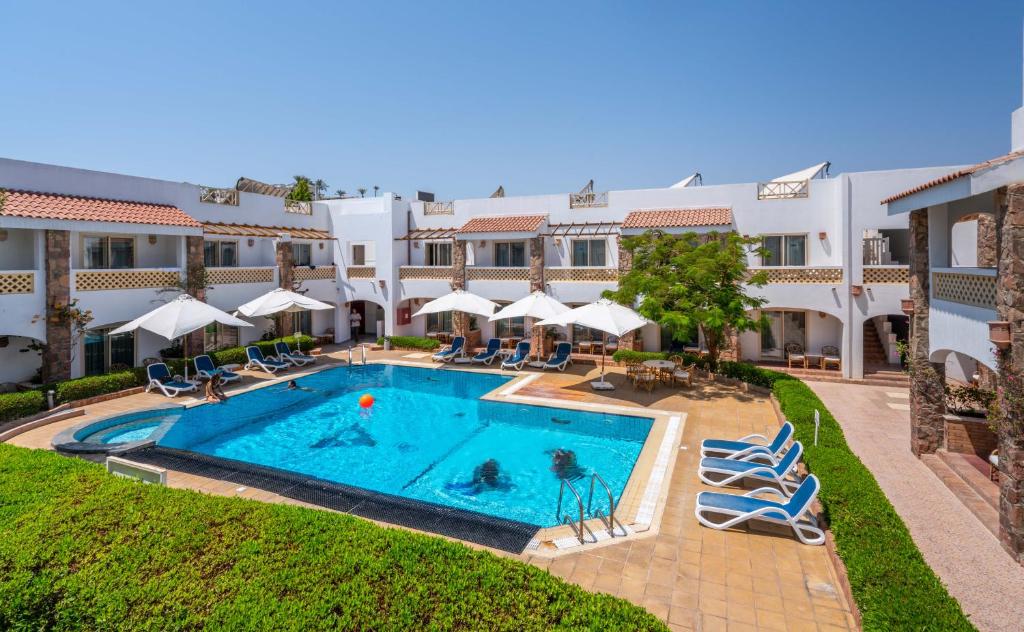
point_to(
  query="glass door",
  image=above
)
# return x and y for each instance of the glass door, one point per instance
(783, 328)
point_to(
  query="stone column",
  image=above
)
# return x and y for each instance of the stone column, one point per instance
(1010, 306)
(460, 320)
(987, 242)
(927, 380)
(56, 358)
(625, 265)
(285, 260)
(195, 264)
(536, 247)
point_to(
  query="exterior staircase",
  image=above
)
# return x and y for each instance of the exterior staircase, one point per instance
(966, 475)
(877, 369)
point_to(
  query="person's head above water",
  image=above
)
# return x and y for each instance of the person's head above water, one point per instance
(487, 472)
(292, 384)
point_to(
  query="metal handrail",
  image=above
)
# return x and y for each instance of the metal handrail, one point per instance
(567, 517)
(362, 349)
(610, 523)
(364, 353)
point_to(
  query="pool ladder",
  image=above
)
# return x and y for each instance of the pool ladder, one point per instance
(361, 348)
(580, 526)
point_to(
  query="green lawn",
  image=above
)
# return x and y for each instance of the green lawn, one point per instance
(80, 549)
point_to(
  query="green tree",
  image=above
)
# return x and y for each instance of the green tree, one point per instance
(340, 193)
(362, 191)
(302, 190)
(319, 188)
(692, 283)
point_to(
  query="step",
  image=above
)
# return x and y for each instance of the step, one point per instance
(964, 492)
(974, 471)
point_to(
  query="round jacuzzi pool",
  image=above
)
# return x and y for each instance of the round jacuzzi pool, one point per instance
(116, 433)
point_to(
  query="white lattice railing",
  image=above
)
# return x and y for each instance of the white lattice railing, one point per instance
(475, 273)
(211, 195)
(20, 282)
(797, 275)
(302, 208)
(128, 279)
(598, 275)
(783, 190)
(361, 272)
(588, 200)
(228, 276)
(899, 275)
(319, 273)
(425, 273)
(439, 208)
(976, 286)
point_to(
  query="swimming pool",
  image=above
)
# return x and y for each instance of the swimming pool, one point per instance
(428, 437)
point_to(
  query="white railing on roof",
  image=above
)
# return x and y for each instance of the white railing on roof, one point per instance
(439, 208)
(876, 251)
(783, 190)
(212, 195)
(294, 206)
(588, 199)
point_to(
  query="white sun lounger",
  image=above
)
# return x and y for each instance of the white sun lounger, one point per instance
(721, 472)
(257, 361)
(736, 509)
(160, 377)
(747, 449)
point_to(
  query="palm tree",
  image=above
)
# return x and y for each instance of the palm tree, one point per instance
(319, 186)
(375, 189)
(340, 193)
(362, 191)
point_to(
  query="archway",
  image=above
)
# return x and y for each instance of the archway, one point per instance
(884, 336)
(362, 321)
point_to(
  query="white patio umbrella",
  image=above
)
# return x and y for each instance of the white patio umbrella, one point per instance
(606, 316)
(281, 300)
(459, 301)
(179, 318)
(534, 305)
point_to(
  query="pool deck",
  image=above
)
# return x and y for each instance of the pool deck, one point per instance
(692, 577)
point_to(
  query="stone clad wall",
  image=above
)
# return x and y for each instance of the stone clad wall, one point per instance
(625, 265)
(460, 321)
(927, 380)
(285, 261)
(194, 259)
(536, 246)
(56, 361)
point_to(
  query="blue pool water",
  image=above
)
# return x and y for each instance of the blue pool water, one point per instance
(125, 428)
(423, 438)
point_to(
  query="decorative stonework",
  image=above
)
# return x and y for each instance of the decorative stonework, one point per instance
(803, 275)
(285, 260)
(319, 273)
(978, 290)
(988, 243)
(896, 275)
(428, 273)
(581, 275)
(927, 380)
(56, 360)
(229, 276)
(359, 272)
(17, 283)
(94, 280)
(476, 273)
(460, 321)
(536, 278)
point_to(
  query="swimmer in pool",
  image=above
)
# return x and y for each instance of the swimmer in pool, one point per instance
(294, 386)
(564, 465)
(486, 476)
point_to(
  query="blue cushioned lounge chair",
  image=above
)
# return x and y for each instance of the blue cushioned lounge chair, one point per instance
(722, 472)
(257, 361)
(456, 350)
(561, 358)
(745, 449)
(205, 368)
(795, 511)
(519, 358)
(487, 356)
(297, 358)
(160, 377)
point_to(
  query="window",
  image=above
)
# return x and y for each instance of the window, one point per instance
(439, 253)
(588, 253)
(441, 321)
(107, 253)
(217, 336)
(220, 254)
(510, 327)
(302, 322)
(302, 254)
(104, 352)
(510, 254)
(784, 250)
(358, 255)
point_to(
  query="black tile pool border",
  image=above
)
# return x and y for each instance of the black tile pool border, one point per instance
(498, 533)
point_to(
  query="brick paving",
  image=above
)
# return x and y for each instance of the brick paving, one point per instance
(988, 584)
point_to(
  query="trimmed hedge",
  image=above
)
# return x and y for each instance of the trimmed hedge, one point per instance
(892, 584)
(85, 387)
(628, 355)
(80, 549)
(411, 342)
(23, 404)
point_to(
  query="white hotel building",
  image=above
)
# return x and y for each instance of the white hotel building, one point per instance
(838, 268)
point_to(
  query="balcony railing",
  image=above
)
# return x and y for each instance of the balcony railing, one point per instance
(879, 275)
(970, 286)
(317, 273)
(583, 275)
(425, 273)
(439, 208)
(479, 273)
(876, 251)
(127, 279)
(211, 195)
(302, 208)
(801, 275)
(588, 199)
(783, 190)
(229, 276)
(17, 282)
(361, 272)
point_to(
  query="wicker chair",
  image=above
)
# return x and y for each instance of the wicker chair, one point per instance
(632, 369)
(646, 379)
(830, 356)
(684, 375)
(795, 353)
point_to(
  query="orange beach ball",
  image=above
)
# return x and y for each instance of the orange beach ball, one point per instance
(366, 400)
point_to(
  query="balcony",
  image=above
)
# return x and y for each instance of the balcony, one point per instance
(361, 272)
(966, 286)
(886, 275)
(17, 282)
(319, 273)
(301, 208)
(801, 275)
(231, 276)
(581, 275)
(588, 199)
(439, 208)
(783, 190)
(127, 279)
(425, 273)
(211, 195)
(480, 273)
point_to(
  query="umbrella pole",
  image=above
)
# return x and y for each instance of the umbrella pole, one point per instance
(604, 343)
(184, 353)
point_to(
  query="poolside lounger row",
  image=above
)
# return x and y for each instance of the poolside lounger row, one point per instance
(561, 358)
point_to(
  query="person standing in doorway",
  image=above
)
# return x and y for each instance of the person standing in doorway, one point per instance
(354, 322)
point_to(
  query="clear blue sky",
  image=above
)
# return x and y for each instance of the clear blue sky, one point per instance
(458, 98)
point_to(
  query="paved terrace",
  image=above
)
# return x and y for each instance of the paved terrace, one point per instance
(692, 577)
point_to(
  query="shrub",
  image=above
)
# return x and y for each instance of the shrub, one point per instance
(411, 342)
(746, 372)
(80, 549)
(23, 404)
(86, 387)
(628, 355)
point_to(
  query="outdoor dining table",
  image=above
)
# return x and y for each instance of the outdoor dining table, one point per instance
(663, 367)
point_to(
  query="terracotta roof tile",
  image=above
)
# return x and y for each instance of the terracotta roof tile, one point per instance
(85, 209)
(251, 230)
(956, 175)
(678, 217)
(504, 224)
